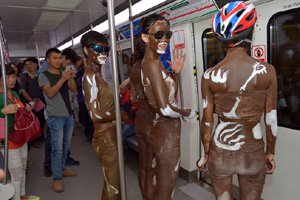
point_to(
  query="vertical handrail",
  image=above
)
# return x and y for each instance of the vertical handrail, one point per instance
(131, 25)
(111, 19)
(37, 53)
(181, 96)
(5, 104)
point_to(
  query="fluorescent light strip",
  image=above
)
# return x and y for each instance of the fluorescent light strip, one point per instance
(121, 18)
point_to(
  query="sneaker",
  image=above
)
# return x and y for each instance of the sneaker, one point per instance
(30, 197)
(47, 171)
(67, 173)
(72, 162)
(58, 186)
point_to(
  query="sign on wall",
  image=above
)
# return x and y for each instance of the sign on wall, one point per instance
(259, 52)
(178, 39)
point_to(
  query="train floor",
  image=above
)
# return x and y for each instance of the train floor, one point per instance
(89, 180)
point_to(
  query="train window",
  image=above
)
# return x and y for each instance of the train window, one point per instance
(284, 54)
(213, 50)
(124, 67)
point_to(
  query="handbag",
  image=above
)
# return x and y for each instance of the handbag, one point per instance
(25, 127)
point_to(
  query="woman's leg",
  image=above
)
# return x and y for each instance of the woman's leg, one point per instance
(105, 145)
(24, 154)
(165, 139)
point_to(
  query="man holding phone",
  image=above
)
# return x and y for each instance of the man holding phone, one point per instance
(55, 85)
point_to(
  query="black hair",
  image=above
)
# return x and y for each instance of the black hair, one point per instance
(148, 22)
(9, 70)
(51, 50)
(70, 54)
(78, 58)
(91, 38)
(139, 46)
(31, 59)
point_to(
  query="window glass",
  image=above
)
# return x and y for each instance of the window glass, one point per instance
(213, 50)
(284, 54)
(123, 63)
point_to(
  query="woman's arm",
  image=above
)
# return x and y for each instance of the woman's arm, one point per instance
(207, 121)
(154, 75)
(271, 120)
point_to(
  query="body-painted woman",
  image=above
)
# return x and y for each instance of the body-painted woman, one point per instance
(240, 89)
(143, 121)
(161, 90)
(99, 99)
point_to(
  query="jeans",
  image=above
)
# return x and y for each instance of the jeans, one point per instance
(61, 129)
(127, 130)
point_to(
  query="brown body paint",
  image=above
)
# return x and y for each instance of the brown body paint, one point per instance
(243, 90)
(99, 99)
(143, 125)
(161, 90)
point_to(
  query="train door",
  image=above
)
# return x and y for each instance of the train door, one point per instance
(187, 98)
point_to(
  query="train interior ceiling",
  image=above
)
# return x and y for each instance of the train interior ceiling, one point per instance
(31, 27)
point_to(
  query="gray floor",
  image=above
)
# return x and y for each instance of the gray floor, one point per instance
(89, 180)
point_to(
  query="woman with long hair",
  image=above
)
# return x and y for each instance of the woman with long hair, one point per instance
(239, 89)
(161, 89)
(99, 99)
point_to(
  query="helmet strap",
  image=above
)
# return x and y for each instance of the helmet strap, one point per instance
(239, 42)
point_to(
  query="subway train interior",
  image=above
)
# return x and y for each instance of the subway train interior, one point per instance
(31, 27)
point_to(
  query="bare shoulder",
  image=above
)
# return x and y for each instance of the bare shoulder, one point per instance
(150, 66)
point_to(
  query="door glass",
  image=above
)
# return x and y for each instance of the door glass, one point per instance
(284, 54)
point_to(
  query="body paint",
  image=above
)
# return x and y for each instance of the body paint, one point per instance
(94, 88)
(108, 113)
(177, 166)
(99, 117)
(271, 120)
(110, 189)
(160, 50)
(207, 124)
(232, 113)
(206, 74)
(224, 196)
(154, 180)
(257, 134)
(234, 147)
(163, 74)
(169, 112)
(257, 69)
(154, 163)
(102, 59)
(205, 102)
(219, 78)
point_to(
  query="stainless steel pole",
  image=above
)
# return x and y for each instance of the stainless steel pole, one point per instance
(5, 104)
(37, 53)
(131, 25)
(111, 19)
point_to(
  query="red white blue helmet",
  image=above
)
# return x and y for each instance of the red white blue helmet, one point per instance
(234, 22)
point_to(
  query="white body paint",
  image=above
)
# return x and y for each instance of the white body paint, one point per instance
(232, 113)
(163, 74)
(95, 104)
(154, 163)
(110, 189)
(102, 59)
(205, 103)
(206, 74)
(224, 196)
(257, 69)
(207, 124)
(271, 120)
(94, 89)
(192, 114)
(99, 117)
(200, 162)
(228, 146)
(257, 134)
(218, 78)
(91, 114)
(169, 112)
(154, 180)
(108, 113)
(177, 166)
(161, 51)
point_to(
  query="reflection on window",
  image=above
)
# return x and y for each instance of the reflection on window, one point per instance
(213, 50)
(284, 51)
(124, 67)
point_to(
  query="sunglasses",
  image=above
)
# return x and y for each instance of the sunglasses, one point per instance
(99, 48)
(161, 34)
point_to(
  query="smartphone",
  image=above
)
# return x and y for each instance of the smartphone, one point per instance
(68, 68)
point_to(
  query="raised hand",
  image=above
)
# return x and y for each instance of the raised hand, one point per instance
(178, 63)
(66, 75)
